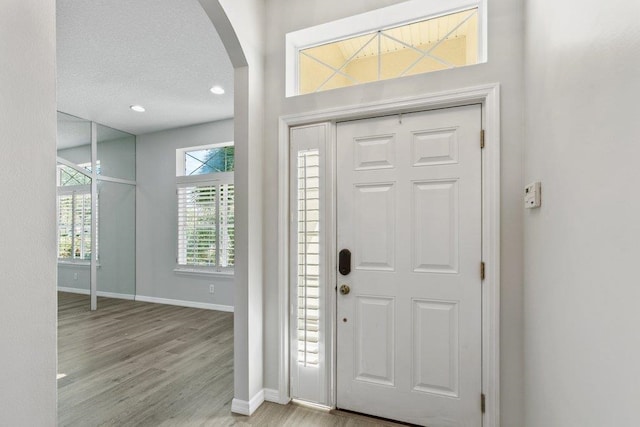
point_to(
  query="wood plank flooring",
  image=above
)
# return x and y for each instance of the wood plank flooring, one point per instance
(141, 364)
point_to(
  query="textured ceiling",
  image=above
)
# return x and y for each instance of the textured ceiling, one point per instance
(162, 54)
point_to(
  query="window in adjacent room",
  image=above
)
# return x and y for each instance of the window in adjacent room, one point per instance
(205, 194)
(401, 40)
(74, 214)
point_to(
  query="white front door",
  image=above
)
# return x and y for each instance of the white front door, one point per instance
(409, 211)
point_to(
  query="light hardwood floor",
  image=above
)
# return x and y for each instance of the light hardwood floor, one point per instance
(141, 364)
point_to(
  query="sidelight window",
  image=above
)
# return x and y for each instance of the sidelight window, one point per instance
(310, 275)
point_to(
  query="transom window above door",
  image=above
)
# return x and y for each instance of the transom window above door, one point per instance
(410, 38)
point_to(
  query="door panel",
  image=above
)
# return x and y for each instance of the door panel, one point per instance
(434, 211)
(409, 209)
(375, 230)
(375, 347)
(435, 347)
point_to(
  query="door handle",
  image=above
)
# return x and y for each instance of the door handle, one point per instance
(344, 262)
(345, 289)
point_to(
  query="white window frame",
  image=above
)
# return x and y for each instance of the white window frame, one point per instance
(312, 382)
(388, 17)
(72, 190)
(210, 179)
(82, 168)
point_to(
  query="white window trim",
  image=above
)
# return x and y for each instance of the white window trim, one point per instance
(214, 178)
(312, 383)
(75, 263)
(204, 271)
(180, 152)
(388, 17)
(72, 190)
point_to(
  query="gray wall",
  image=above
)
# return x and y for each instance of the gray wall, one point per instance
(27, 224)
(116, 238)
(505, 66)
(582, 246)
(117, 216)
(77, 155)
(157, 216)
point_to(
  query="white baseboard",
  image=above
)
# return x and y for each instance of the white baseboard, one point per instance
(99, 293)
(74, 290)
(243, 407)
(114, 295)
(273, 395)
(182, 303)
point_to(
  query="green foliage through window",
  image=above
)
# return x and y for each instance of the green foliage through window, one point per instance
(209, 160)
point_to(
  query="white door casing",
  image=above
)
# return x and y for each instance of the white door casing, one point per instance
(409, 208)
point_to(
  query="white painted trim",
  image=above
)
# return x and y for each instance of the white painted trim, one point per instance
(314, 136)
(491, 256)
(94, 218)
(130, 297)
(183, 303)
(116, 180)
(70, 290)
(243, 407)
(213, 178)
(141, 298)
(180, 154)
(332, 262)
(74, 290)
(63, 263)
(70, 189)
(227, 274)
(273, 395)
(283, 257)
(489, 96)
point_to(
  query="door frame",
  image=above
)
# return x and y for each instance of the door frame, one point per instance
(489, 97)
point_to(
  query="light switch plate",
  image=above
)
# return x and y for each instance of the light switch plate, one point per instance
(532, 195)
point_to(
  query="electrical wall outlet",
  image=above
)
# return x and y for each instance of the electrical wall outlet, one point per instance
(532, 195)
(75, 276)
(211, 289)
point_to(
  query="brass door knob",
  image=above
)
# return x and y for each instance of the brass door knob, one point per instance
(345, 289)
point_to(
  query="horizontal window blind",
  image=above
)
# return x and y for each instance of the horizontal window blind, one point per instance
(206, 229)
(308, 257)
(226, 225)
(65, 226)
(197, 213)
(74, 225)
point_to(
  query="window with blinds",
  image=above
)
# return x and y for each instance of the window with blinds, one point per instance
(311, 278)
(74, 224)
(197, 218)
(226, 226)
(205, 192)
(308, 247)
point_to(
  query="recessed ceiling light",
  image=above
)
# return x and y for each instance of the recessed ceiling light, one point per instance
(138, 108)
(217, 90)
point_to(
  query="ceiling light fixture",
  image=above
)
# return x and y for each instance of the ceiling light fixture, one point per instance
(217, 90)
(138, 108)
